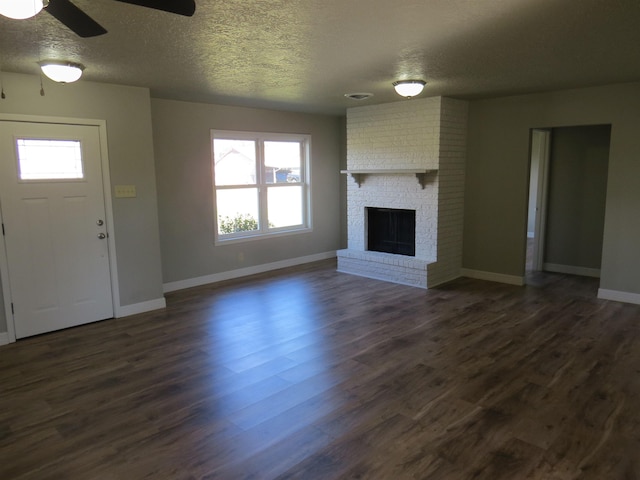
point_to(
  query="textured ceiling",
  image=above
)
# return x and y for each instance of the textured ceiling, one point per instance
(305, 55)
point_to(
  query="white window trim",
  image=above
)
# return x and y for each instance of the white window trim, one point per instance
(265, 233)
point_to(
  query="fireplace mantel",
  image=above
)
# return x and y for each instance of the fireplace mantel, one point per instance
(359, 174)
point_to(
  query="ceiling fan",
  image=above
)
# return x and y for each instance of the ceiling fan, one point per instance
(85, 26)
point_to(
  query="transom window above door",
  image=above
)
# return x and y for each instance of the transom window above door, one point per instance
(49, 159)
(261, 184)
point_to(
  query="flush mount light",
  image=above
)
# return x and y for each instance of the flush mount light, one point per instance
(61, 71)
(409, 88)
(21, 9)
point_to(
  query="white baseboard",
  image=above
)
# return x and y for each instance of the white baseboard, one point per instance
(244, 272)
(4, 338)
(618, 296)
(571, 270)
(493, 277)
(142, 307)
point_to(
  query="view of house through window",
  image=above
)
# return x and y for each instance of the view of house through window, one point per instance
(261, 183)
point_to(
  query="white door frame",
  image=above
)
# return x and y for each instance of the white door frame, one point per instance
(541, 200)
(106, 184)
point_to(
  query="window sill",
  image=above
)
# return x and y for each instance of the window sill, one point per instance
(260, 236)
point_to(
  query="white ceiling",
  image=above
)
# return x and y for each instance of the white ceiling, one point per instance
(304, 55)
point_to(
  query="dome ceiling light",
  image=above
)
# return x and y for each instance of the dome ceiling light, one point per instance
(61, 71)
(409, 88)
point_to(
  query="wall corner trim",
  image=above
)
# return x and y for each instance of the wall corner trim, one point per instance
(4, 338)
(619, 296)
(493, 277)
(244, 272)
(142, 307)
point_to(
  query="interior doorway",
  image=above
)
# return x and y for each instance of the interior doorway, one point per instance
(567, 197)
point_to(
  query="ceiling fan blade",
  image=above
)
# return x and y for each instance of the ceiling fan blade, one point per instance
(181, 7)
(74, 18)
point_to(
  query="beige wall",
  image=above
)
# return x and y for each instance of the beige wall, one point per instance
(343, 184)
(497, 177)
(183, 164)
(128, 119)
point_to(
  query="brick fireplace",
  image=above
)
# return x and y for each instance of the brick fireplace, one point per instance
(407, 155)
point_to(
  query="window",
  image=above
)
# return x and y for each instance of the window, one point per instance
(261, 184)
(45, 159)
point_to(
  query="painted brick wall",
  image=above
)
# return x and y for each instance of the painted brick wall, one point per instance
(451, 171)
(419, 133)
(403, 134)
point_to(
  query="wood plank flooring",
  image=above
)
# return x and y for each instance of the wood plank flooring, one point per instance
(308, 373)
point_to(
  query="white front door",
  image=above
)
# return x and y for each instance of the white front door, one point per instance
(53, 214)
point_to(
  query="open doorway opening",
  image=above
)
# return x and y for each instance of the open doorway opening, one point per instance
(567, 196)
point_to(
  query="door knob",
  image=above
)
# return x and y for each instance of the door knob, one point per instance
(101, 236)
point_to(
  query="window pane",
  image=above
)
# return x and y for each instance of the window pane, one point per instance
(235, 162)
(49, 159)
(285, 206)
(237, 210)
(282, 162)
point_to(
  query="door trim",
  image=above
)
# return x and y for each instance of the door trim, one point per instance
(541, 206)
(106, 185)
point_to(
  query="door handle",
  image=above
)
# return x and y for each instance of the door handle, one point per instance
(102, 236)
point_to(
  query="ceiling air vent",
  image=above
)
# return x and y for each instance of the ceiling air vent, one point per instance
(358, 96)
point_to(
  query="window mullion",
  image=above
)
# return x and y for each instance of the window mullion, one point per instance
(262, 186)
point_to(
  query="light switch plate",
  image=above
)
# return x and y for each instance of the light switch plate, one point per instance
(125, 191)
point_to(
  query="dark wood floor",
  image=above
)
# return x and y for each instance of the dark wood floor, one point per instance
(313, 374)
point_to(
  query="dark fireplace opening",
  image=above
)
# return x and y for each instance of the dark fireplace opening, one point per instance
(391, 230)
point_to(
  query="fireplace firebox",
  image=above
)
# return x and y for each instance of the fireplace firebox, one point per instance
(391, 230)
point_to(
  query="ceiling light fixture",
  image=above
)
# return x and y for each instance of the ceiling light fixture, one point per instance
(21, 9)
(61, 71)
(409, 88)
